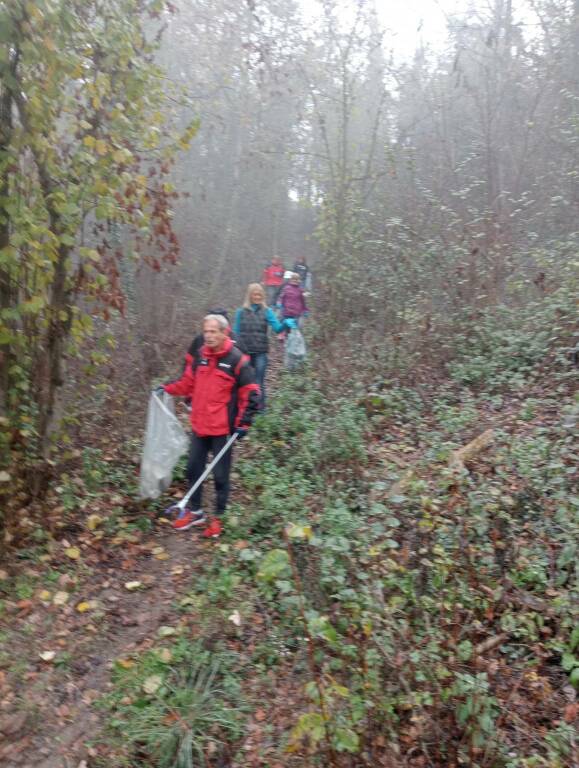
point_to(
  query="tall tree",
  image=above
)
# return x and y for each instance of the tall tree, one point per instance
(90, 147)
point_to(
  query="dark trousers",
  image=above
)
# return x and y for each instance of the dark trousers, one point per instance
(259, 363)
(271, 294)
(200, 448)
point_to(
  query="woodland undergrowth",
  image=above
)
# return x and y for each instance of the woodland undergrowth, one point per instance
(407, 607)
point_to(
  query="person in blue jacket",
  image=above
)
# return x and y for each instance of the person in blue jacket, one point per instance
(250, 325)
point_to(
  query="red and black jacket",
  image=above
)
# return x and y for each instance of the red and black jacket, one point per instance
(222, 388)
(273, 274)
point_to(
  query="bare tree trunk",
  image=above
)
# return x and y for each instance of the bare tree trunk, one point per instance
(8, 292)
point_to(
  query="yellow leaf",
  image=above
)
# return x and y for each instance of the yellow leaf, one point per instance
(125, 663)
(83, 607)
(162, 556)
(73, 553)
(44, 595)
(133, 585)
(89, 141)
(96, 102)
(101, 147)
(100, 187)
(93, 521)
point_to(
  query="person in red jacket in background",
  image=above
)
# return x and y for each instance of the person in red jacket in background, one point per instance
(272, 278)
(224, 399)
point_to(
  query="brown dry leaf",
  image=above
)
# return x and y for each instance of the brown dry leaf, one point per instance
(260, 715)
(125, 663)
(571, 712)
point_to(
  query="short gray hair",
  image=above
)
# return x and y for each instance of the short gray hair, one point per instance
(220, 320)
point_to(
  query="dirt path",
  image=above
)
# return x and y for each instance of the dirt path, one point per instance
(61, 653)
(49, 715)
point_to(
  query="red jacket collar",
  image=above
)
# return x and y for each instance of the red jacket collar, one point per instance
(225, 349)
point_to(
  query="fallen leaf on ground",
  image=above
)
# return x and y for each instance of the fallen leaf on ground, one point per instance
(235, 617)
(125, 663)
(133, 585)
(166, 631)
(60, 598)
(72, 552)
(187, 601)
(83, 607)
(93, 521)
(152, 683)
(47, 655)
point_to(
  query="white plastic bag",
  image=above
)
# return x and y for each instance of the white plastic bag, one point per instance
(295, 349)
(165, 443)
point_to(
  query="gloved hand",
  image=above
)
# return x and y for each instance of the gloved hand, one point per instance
(306, 314)
(278, 305)
(160, 390)
(240, 432)
(290, 322)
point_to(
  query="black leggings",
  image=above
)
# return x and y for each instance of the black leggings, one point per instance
(200, 447)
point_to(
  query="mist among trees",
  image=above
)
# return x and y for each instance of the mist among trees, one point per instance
(154, 157)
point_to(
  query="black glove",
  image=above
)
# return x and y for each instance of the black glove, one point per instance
(240, 432)
(160, 390)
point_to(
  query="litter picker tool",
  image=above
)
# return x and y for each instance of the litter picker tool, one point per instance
(181, 506)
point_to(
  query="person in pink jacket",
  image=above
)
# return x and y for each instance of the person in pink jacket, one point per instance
(291, 299)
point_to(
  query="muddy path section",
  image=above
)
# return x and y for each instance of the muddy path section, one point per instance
(64, 640)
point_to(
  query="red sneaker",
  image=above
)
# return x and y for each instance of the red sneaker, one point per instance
(188, 519)
(213, 530)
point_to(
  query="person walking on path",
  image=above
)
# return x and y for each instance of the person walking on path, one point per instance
(224, 400)
(250, 326)
(292, 301)
(305, 273)
(272, 278)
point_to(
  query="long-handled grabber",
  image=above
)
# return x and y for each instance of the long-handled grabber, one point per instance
(180, 508)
